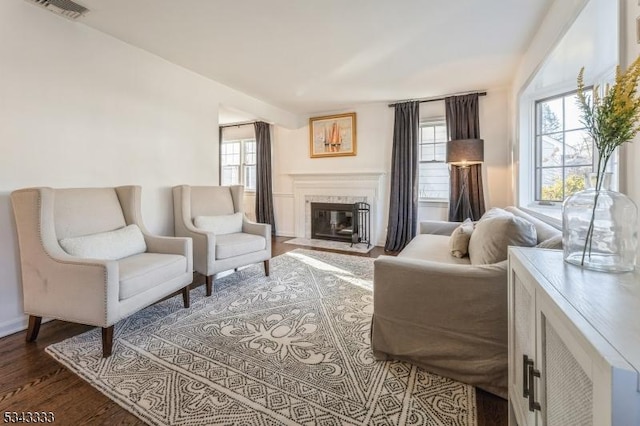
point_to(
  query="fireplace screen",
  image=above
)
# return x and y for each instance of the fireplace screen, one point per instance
(340, 222)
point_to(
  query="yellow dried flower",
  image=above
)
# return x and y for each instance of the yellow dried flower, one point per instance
(613, 118)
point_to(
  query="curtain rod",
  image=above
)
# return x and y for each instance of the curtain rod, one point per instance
(439, 98)
(245, 123)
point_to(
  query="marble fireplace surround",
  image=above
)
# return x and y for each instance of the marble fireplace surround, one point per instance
(347, 187)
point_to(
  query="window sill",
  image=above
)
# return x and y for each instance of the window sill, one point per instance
(433, 202)
(551, 215)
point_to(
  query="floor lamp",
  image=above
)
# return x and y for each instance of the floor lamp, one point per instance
(464, 153)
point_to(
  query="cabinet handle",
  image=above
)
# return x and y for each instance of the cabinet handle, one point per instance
(533, 405)
(526, 363)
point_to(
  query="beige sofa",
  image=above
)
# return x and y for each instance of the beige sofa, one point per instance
(444, 313)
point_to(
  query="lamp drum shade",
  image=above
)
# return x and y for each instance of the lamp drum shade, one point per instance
(465, 152)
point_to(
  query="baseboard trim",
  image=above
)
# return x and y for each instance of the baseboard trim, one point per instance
(17, 325)
(13, 326)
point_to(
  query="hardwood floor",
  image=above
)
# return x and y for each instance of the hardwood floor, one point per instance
(30, 380)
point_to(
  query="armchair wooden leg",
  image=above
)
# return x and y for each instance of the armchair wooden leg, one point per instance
(34, 328)
(209, 285)
(107, 341)
(186, 295)
(266, 268)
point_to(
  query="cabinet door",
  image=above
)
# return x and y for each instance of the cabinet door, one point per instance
(565, 389)
(522, 323)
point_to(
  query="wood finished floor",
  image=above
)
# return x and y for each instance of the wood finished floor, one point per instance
(30, 380)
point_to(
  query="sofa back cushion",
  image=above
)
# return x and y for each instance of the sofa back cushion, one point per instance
(544, 231)
(84, 211)
(492, 237)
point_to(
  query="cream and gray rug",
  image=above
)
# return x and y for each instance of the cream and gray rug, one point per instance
(328, 244)
(290, 349)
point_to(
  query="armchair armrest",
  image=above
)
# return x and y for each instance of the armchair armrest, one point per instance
(171, 245)
(262, 229)
(438, 227)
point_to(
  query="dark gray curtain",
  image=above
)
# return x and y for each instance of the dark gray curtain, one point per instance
(403, 203)
(463, 122)
(264, 191)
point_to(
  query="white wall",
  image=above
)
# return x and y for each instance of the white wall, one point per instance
(375, 133)
(630, 51)
(79, 108)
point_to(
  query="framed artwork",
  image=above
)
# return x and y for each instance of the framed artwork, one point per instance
(332, 135)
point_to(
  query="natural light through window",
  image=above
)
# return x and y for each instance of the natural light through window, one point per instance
(433, 176)
(238, 163)
(563, 149)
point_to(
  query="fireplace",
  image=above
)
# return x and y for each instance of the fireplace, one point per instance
(332, 221)
(341, 222)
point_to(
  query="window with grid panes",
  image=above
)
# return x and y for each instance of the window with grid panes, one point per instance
(433, 171)
(238, 163)
(564, 151)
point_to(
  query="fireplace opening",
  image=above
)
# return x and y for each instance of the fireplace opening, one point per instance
(341, 222)
(332, 221)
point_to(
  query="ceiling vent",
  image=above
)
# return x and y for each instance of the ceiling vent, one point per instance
(66, 8)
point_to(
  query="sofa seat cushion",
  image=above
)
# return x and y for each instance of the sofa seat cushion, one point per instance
(232, 245)
(143, 271)
(434, 248)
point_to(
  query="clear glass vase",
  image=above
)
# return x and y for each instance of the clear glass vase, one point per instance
(603, 238)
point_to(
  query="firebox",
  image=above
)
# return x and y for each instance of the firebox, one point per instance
(341, 222)
(332, 221)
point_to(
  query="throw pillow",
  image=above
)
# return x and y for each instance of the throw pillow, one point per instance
(492, 237)
(554, 243)
(112, 245)
(495, 212)
(459, 240)
(220, 225)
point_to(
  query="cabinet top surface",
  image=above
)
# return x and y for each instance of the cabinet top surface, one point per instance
(609, 302)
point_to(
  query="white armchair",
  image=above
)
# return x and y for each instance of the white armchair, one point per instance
(116, 267)
(223, 238)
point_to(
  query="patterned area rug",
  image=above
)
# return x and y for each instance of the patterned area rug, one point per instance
(290, 349)
(335, 245)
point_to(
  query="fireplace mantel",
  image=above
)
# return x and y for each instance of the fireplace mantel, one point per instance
(352, 185)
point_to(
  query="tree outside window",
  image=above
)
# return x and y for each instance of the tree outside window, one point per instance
(564, 151)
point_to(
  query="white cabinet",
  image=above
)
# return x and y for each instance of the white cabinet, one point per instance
(574, 343)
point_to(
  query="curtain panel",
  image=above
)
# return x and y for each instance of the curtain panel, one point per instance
(463, 122)
(403, 202)
(264, 189)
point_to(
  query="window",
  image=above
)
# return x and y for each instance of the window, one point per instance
(238, 163)
(564, 151)
(433, 175)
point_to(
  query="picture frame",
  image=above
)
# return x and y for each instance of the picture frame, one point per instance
(332, 135)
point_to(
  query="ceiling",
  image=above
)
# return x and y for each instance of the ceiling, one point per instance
(309, 57)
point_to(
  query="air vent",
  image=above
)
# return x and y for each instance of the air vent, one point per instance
(66, 8)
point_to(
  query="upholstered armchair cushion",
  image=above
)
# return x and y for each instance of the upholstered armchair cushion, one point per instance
(111, 245)
(220, 225)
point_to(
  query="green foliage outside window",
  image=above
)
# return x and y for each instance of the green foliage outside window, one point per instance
(574, 183)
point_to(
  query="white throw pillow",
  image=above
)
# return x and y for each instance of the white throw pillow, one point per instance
(459, 240)
(492, 237)
(112, 245)
(220, 225)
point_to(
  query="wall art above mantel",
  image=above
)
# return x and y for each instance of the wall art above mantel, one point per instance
(332, 135)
